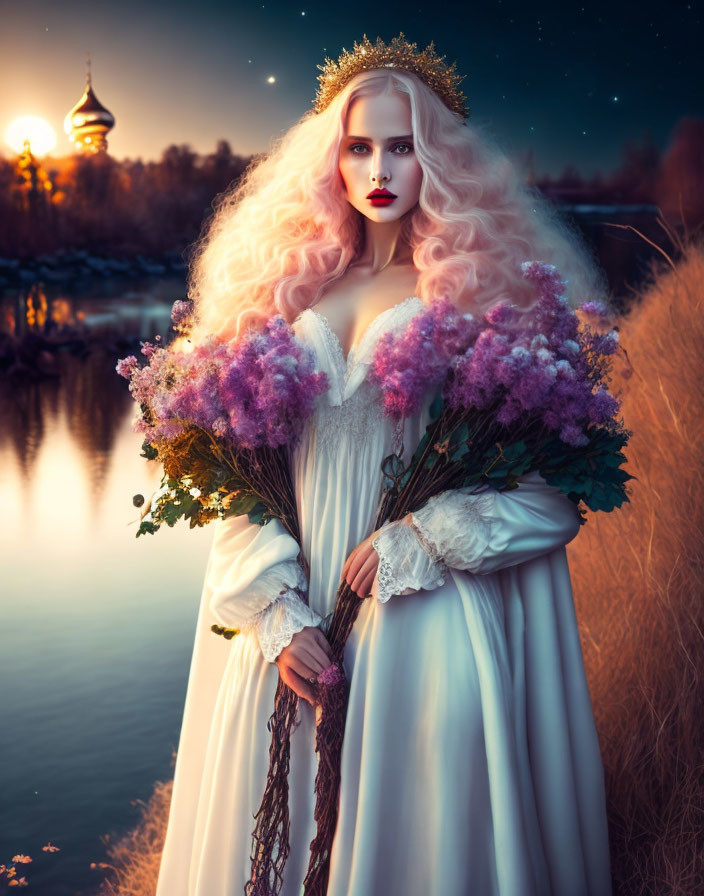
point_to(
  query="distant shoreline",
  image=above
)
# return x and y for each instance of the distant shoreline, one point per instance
(69, 266)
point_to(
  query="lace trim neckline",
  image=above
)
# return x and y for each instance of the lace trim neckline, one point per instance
(373, 324)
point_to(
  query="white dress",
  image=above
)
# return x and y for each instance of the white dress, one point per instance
(470, 762)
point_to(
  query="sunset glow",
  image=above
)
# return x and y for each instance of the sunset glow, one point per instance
(39, 132)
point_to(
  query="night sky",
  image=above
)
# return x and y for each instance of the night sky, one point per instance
(572, 82)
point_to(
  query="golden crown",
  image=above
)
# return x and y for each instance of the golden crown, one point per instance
(428, 66)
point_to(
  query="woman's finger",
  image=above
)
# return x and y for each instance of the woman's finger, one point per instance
(346, 566)
(293, 681)
(299, 665)
(355, 567)
(302, 687)
(309, 639)
(366, 577)
(314, 656)
(324, 644)
(369, 565)
(366, 588)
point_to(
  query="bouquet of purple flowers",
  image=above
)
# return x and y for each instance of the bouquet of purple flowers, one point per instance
(222, 418)
(520, 395)
(517, 393)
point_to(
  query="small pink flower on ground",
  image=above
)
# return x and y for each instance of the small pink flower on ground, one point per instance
(23, 860)
(50, 847)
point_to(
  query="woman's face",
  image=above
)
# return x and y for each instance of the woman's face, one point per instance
(376, 153)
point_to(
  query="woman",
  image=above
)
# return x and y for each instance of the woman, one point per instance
(470, 761)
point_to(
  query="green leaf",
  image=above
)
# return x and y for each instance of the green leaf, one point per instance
(436, 406)
(243, 504)
(260, 514)
(418, 453)
(146, 527)
(516, 455)
(192, 512)
(460, 434)
(459, 453)
(227, 633)
(149, 451)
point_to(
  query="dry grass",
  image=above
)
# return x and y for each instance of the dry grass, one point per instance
(134, 860)
(637, 577)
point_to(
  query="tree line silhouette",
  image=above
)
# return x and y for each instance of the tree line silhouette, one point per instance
(122, 208)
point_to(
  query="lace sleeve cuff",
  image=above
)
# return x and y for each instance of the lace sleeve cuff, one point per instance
(451, 529)
(276, 625)
(457, 526)
(477, 529)
(405, 565)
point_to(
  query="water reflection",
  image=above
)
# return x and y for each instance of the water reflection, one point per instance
(57, 356)
(114, 308)
(86, 394)
(96, 625)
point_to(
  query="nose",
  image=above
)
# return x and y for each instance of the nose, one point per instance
(378, 175)
(378, 180)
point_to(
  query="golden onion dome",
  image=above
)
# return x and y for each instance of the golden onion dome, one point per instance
(89, 111)
(89, 121)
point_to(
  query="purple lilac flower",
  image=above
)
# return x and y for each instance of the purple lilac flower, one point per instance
(257, 391)
(536, 362)
(607, 344)
(126, 366)
(501, 315)
(270, 386)
(220, 427)
(181, 311)
(331, 676)
(547, 367)
(595, 308)
(405, 366)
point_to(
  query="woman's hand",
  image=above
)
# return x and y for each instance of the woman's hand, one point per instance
(307, 655)
(361, 565)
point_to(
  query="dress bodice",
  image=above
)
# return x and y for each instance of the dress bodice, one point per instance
(347, 374)
(343, 443)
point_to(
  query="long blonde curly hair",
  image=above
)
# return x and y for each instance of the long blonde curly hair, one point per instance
(285, 232)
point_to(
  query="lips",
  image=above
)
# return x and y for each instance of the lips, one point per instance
(381, 197)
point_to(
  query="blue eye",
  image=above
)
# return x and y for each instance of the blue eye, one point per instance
(407, 148)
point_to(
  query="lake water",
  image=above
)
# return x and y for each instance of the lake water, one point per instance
(97, 625)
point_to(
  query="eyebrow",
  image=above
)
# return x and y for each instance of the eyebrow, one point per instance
(388, 139)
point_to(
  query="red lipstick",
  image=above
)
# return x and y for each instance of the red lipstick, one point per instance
(381, 197)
